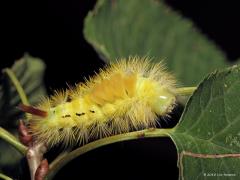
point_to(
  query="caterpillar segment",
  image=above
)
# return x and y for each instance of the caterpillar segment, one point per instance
(127, 95)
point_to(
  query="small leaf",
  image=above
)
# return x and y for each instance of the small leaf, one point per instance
(121, 28)
(28, 72)
(210, 125)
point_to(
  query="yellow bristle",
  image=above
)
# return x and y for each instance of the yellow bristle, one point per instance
(124, 96)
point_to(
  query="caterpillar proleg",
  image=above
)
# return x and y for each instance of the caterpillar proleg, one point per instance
(127, 95)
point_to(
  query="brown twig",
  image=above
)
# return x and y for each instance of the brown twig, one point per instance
(37, 166)
(32, 110)
(24, 135)
(42, 170)
(34, 157)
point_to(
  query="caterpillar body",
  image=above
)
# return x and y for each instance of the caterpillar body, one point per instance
(124, 96)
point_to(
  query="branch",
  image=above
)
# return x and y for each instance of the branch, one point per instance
(8, 137)
(37, 166)
(5, 177)
(65, 158)
(34, 157)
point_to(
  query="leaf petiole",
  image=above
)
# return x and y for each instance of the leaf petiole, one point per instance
(185, 91)
(18, 87)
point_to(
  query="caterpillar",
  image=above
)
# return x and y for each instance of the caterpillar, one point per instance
(129, 94)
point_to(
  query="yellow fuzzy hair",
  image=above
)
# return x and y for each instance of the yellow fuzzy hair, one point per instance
(124, 96)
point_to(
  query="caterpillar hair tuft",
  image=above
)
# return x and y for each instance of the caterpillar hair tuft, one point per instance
(127, 95)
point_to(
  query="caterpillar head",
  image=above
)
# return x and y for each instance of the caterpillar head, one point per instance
(164, 102)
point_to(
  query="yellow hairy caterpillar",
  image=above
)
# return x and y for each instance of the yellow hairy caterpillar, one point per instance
(124, 96)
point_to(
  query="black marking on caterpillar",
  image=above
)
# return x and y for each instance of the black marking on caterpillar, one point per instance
(80, 114)
(66, 116)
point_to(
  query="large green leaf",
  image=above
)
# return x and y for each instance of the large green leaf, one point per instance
(210, 125)
(28, 72)
(121, 28)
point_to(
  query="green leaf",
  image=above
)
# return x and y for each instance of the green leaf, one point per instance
(23, 82)
(121, 28)
(210, 128)
(28, 72)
